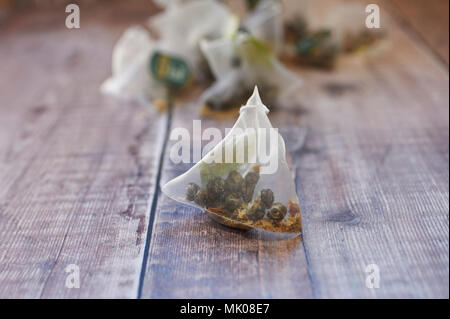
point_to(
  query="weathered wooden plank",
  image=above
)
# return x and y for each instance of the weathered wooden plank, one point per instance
(430, 20)
(373, 176)
(77, 169)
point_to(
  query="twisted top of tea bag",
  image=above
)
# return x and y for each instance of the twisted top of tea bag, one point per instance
(254, 102)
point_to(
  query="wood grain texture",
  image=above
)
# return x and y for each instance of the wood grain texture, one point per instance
(372, 176)
(77, 169)
(430, 20)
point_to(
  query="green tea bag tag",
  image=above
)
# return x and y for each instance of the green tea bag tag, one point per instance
(171, 70)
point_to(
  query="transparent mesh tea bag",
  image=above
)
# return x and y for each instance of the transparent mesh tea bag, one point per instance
(244, 181)
(348, 25)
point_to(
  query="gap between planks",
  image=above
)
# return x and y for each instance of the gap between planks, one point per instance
(154, 201)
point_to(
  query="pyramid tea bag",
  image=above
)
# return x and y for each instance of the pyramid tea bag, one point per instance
(244, 181)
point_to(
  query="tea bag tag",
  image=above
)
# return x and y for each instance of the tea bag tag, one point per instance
(254, 102)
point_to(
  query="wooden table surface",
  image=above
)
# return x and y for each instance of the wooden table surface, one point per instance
(80, 173)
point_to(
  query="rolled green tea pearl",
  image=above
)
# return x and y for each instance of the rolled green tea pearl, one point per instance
(201, 198)
(216, 189)
(277, 212)
(191, 191)
(234, 182)
(267, 198)
(256, 214)
(250, 181)
(232, 203)
(251, 177)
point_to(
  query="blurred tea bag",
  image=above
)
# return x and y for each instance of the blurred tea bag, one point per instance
(183, 25)
(348, 24)
(244, 181)
(131, 78)
(265, 22)
(240, 62)
(149, 70)
(319, 42)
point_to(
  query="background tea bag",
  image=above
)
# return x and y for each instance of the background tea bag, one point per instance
(240, 62)
(348, 24)
(180, 29)
(183, 24)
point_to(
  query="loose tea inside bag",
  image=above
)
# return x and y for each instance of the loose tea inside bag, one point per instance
(244, 181)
